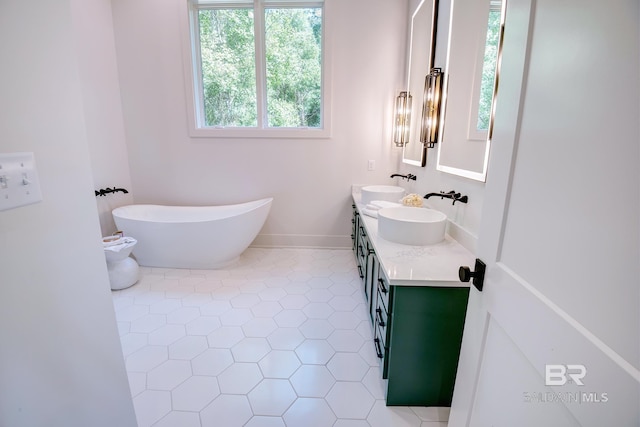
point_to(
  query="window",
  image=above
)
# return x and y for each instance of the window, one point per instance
(489, 67)
(257, 68)
(485, 78)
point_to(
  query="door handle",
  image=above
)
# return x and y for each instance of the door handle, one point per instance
(378, 348)
(465, 274)
(379, 317)
(383, 288)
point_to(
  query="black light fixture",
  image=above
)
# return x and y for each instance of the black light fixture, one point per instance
(402, 119)
(432, 100)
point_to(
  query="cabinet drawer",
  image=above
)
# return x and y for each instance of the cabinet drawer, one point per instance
(361, 251)
(362, 231)
(381, 349)
(379, 346)
(383, 290)
(380, 324)
(362, 242)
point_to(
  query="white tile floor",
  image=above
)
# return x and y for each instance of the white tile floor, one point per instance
(280, 338)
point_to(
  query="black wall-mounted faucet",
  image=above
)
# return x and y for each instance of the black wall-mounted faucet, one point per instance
(407, 176)
(105, 191)
(456, 197)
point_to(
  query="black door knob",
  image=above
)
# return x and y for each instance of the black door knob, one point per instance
(465, 274)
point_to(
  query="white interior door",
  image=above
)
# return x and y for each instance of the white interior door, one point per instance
(554, 337)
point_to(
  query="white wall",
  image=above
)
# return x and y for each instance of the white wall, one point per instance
(102, 107)
(309, 179)
(61, 362)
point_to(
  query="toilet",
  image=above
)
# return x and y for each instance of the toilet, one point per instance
(123, 270)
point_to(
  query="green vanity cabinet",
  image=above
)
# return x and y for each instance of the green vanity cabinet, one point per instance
(417, 325)
(424, 327)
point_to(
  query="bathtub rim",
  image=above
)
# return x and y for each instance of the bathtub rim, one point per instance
(234, 210)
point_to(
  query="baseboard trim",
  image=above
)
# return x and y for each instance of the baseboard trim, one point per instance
(458, 233)
(301, 241)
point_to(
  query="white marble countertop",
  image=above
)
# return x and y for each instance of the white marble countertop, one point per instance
(433, 265)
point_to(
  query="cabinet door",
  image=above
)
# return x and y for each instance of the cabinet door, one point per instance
(371, 270)
(426, 326)
(371, 285)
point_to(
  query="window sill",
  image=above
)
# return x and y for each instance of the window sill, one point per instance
(298, 133)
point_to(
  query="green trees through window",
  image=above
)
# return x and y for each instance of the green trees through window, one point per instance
(227, 52)
(489, 69)
(292, 64)
(294, 67)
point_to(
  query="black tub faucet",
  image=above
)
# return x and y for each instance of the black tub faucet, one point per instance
(456, 197)
(105, 191)
(407, 176)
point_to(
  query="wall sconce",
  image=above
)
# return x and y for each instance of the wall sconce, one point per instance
(402, 119)
(431, 108)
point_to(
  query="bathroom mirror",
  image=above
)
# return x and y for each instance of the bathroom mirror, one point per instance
(470, 87)
(419, 62)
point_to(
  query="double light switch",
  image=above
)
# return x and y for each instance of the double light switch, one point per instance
(19, 184)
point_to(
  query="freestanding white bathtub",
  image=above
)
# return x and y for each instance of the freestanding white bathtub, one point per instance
(200, 237)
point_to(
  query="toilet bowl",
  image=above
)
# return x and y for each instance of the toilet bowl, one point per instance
(123, 270)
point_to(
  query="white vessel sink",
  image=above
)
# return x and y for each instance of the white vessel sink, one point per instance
(411, 226)
(390, 193)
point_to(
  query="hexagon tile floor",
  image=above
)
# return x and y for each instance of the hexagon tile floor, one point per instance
(280, 338)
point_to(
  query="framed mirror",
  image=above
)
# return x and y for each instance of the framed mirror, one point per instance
(470, 87)
(419, 62)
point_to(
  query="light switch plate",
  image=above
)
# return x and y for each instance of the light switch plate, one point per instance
(19, 183)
